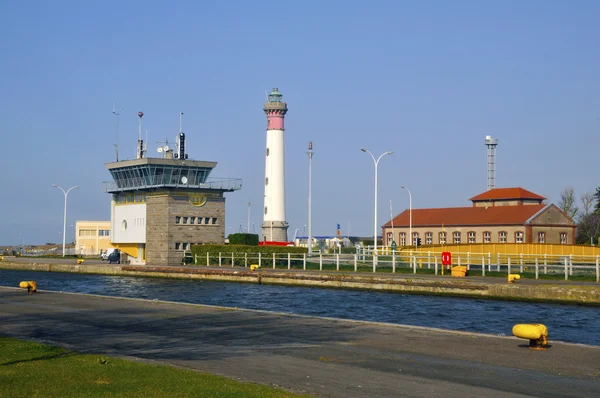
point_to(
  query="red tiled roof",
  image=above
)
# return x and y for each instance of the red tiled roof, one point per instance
(456, 216)
(506, 193)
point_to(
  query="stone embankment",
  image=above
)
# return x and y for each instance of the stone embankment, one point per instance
(496, 288)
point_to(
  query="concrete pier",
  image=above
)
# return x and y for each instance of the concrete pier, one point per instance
(327, 357)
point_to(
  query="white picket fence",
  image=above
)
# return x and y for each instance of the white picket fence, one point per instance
(481, 262)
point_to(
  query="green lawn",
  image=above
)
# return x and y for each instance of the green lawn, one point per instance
(35, 370)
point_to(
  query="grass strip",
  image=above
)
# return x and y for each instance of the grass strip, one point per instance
(30, 369)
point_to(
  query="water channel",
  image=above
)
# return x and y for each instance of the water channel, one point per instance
(571, 323)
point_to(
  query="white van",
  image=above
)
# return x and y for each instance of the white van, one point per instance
(107, 253)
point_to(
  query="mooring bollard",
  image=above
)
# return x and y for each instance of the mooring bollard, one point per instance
(536, 333)
(31, 286)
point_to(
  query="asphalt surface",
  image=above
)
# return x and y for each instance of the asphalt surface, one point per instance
(324, 357)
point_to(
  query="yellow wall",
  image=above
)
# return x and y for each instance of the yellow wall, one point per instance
(514, 248)
(89, 237)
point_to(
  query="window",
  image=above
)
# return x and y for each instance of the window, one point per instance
(87, 232)
(442, 238)
(390, 238)
(185, 246)
(487, 237)
(214, 221)
(563, 238)
(502, 236)
(185, 220)
(265, 209)
(541, 237)
(456, 237)
(177, 246)
(519, 237)
(104, 232)
(414, 238)
(428, 238)
(192, 220)
(266, 180)
(471, 236)
(403, 239)
(206, 220)
(177, 220)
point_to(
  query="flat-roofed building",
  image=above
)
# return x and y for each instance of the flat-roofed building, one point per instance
(92, 237)
(500, 215)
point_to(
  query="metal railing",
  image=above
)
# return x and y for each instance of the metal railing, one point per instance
(413, 262)
(227, 184)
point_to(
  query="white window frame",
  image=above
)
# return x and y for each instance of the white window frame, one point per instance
(428, 238)
(502, 237)
(443, 237)
(472, 236)
(563, 238)
(456, 235)
(487, 237)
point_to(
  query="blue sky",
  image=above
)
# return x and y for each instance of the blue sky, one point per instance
(425, 79)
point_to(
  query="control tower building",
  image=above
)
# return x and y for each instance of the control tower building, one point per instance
(274, 227)
(161, 206)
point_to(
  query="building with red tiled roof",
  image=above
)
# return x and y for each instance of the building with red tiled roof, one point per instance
(500, 215)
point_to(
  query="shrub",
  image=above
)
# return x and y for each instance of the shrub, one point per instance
(243, 239)
(239, 250)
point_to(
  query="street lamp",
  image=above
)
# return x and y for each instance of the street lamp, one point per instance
(376, 162)
(310, 154)
(409, 214)
(65, 213)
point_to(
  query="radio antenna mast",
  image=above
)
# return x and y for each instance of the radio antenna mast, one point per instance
(117, 114)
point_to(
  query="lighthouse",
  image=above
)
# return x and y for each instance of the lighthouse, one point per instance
(274, 227)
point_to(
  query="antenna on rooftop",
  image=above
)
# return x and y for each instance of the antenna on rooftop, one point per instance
(140, 148)
(117, 114)
(180, 150)
(491, 144)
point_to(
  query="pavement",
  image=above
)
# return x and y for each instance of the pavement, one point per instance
(319, 356)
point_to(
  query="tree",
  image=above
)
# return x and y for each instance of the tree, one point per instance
(597, 198)
(588, 228)
(567, 202)
(587, 202)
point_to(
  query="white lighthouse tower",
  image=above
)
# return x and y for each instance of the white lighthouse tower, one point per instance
(274, 227)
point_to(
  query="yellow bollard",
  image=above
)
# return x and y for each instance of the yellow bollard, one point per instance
(536, 333)
(253, 267)
(513, 277)
(31, 286)
(79, 260)
(459, 271)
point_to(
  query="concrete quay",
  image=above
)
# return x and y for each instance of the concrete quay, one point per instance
(586, 293)
(319, 356)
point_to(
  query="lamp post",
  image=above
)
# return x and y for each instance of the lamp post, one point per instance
(409, 214)
(376, 163)
(248, 228)
(66, 193)
(310, 156)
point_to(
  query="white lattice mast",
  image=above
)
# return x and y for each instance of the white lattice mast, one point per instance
(491, 144)
(274, 227)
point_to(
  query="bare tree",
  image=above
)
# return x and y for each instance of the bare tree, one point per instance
(587, 201)
(567, 202)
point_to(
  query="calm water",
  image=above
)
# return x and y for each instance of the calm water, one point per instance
(575, 324)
